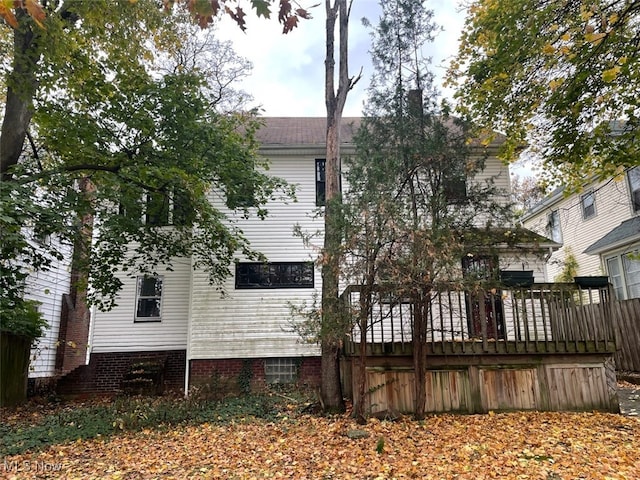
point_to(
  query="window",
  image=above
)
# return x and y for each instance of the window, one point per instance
(554, 232)
(280, 370)
(455, 182)
(480, 267)
(182, 212)
(149, 295)
(634, 187)
(157, 209)
(274, 275)
(320, 182)
(588, 202)
(624, 273)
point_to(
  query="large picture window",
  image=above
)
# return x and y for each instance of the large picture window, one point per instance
(274, 275)
(149, 296)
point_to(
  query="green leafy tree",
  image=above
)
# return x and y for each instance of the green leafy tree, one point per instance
(416, 204)
(110, 139)
(561, 75)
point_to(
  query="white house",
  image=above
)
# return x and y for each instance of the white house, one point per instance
(48, 288)
(599, 227)
(181, 321)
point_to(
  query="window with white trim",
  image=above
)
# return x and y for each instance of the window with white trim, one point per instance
(554, 231)
(588, 202)
(280, 370)
(634, 187)
(148, 298)
(624, 273)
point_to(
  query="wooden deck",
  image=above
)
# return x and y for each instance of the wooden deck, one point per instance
(547, 347)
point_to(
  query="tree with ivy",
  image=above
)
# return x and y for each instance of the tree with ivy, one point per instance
(563, 76)
(416, 203)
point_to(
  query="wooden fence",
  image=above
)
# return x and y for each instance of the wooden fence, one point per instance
(626, 324)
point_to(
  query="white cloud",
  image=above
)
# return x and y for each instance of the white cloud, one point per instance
(288, 70)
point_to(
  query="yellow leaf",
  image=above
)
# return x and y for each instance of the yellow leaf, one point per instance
(566, 37)
(594, 37)
(555, 83)
(7, 13)
(36, 12)
(610, 74)
(549, 49)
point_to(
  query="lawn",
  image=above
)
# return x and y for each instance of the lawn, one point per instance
(257, 439)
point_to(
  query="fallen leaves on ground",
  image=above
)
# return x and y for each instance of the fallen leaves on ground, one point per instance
(521, 445)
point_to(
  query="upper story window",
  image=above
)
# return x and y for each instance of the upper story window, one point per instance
(159, 208)
(588, 202)
(320, 181)
(455, 187)
(554, 231)
(274, 275)
(634, 188)
(148, 298)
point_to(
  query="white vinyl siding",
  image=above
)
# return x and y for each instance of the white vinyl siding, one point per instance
(48, 289)
(250, 323)
(118, 331)
(613, 207)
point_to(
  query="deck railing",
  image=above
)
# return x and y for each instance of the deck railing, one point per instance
(542, 318)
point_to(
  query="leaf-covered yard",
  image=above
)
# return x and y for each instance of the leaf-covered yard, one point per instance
(546, 446)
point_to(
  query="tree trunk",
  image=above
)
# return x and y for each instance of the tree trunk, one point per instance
(419, 357)
(20, 92)
(331, 324)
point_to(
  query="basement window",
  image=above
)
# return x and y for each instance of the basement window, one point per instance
(280, 370)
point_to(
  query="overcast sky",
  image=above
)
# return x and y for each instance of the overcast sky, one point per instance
(288, 70)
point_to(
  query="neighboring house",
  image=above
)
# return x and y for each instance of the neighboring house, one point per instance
(599, 227)
(179, 320)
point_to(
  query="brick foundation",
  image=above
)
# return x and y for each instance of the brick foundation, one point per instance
(201, 372)
(105, 372)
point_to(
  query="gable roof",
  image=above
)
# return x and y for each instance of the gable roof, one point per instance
(303, 130)
(624, 233)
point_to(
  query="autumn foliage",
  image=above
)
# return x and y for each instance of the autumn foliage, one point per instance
(524, 445)
(203, 11)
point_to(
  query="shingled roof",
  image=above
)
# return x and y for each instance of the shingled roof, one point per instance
(627, 231)
(303, 130)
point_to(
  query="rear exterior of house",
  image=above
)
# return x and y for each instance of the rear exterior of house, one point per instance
(199, 336)
(200, 333)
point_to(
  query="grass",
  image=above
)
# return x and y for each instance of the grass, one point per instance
(35, 427)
